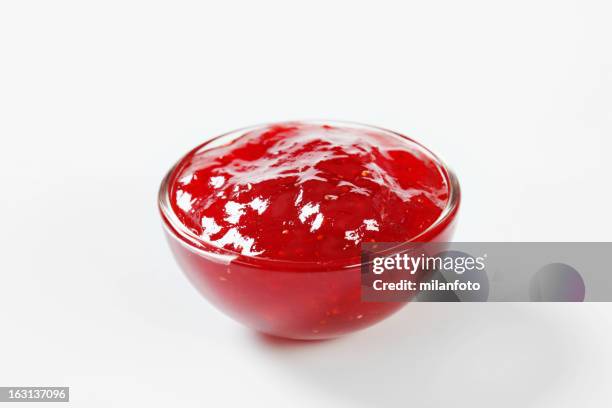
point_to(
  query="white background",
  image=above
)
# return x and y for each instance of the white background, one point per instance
(98, 99)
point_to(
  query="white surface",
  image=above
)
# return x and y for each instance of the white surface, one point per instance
(98, 99)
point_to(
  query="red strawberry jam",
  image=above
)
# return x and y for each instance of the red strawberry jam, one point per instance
(268, 222)
(308, 192)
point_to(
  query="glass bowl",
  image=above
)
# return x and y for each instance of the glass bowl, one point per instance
(296, 300)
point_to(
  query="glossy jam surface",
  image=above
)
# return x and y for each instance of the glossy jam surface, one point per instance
(308, 192)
